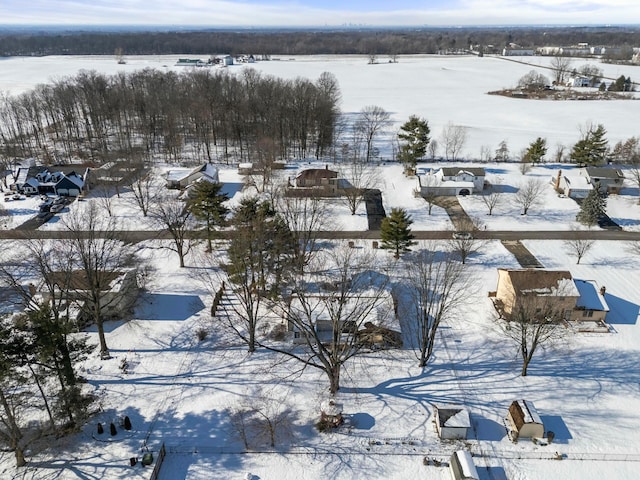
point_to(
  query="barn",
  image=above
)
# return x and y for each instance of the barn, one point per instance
(524, 420)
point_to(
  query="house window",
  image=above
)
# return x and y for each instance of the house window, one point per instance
(587, 313)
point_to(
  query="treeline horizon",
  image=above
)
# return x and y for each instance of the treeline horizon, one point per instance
(366, 41)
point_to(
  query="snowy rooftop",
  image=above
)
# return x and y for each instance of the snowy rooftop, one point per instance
(590, 296)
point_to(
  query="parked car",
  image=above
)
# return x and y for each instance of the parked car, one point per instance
(56, 207)
(59, 201)
(44, 216)
(462, 235)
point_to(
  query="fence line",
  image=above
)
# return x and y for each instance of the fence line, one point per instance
(156, 469)
(418, 451)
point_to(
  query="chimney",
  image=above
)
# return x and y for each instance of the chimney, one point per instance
(603, 290)
(558, 179)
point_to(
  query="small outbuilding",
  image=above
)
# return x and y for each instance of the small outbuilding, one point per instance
(524, 420)
(452, 422)
(461, 466)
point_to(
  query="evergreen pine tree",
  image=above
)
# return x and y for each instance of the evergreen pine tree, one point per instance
(592, 208)
(395, 232)
(206, 204)
(536, 151)
(415, 135)
(592, 148)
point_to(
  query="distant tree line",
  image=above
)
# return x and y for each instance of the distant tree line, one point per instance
(205, 112)
(305, 41)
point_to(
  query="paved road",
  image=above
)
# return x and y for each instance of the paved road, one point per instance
(140, 235)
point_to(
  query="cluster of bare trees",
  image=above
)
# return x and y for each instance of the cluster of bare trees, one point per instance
(206, 112)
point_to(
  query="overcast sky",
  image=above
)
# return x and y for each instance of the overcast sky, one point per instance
(258, 13)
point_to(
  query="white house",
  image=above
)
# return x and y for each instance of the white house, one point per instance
(576, 186)
(180, 178)
(451, 181)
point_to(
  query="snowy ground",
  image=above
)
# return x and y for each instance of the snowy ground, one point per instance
(441, 89)
(179, 391)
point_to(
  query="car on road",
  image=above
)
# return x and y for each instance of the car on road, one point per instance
(462, 236)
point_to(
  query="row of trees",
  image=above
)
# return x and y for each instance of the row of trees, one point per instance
(304, 42)
(209, 113)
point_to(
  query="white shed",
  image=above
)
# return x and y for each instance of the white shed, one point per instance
(461, 466)
(452, 421)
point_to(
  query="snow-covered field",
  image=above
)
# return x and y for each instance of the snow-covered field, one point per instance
(441, 89)
(179, 391)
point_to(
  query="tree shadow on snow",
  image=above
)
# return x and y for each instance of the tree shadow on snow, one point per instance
(160, 306)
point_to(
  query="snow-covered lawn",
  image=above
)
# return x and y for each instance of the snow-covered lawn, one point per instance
(180, 391)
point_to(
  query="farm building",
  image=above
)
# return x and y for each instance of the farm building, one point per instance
(524, 420)
(461, 466)
(452, 422)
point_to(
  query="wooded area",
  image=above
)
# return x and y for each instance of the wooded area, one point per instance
(365, 41)
(209, 114)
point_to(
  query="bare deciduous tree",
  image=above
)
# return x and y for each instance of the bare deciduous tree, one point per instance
(437, 285)
(535, 323)
(372, 121)
(360, 178)
(453, 138)
(529, 194)
(331, 309)
(306, 217)
(172, 214)
(493, 195)
(463, 242)
(143, 188)
(98, 249)
(579, 247)
(262, 416)
(560, 65)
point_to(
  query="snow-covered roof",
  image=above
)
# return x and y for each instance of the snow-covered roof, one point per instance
(590, 296)
(529, 412)
(543, 282)
(453, 416)
(578, 182)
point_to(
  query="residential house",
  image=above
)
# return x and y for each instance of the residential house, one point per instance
(554, 291)
(576, 186)
(452, 421)
(608, 180)
(579, 81)
(316, 177)
(524, 420)
(548, 292)
(41, 181)
(119, 292)
(451, 181)
(319, 181)
(180, 178)
(592, 305)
